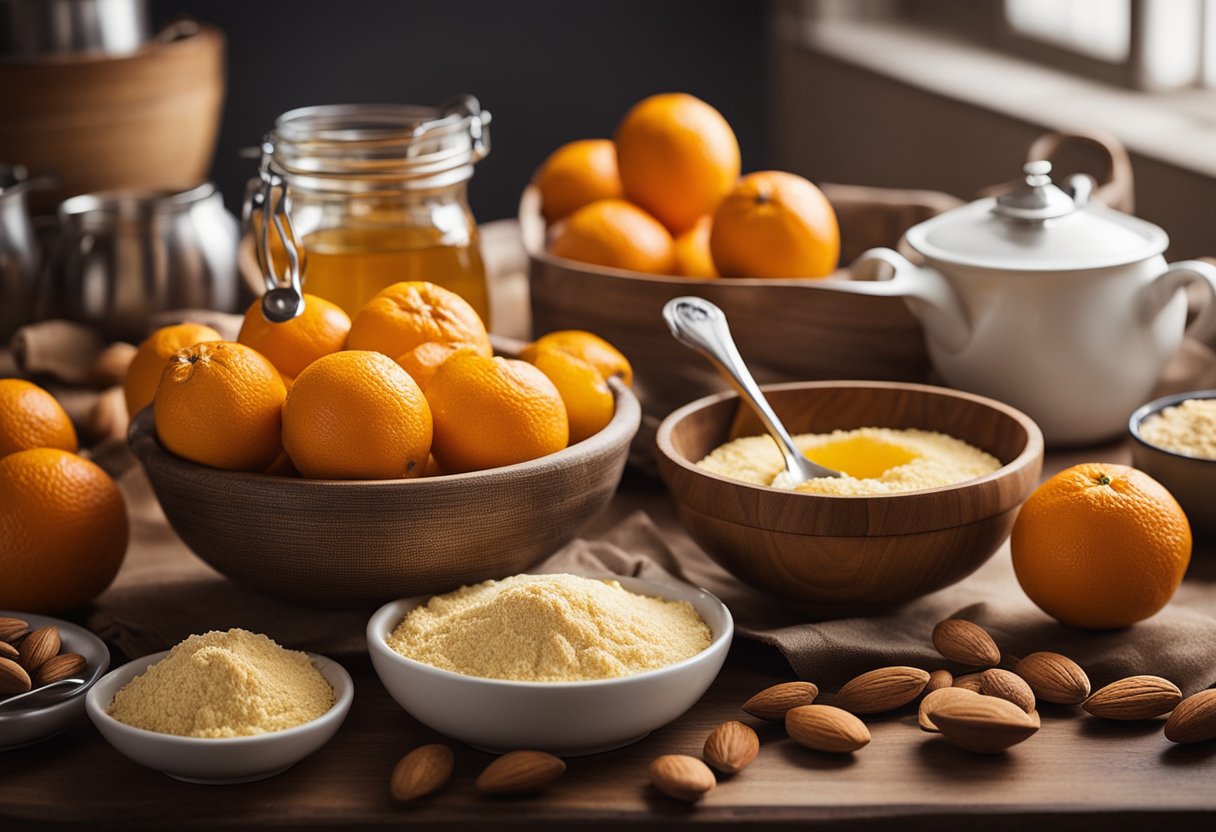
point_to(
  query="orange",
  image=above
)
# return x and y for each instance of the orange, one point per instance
(618, 234)
(153, 354)
(775, 224)
(423, 360)
(404, 315)
(30, 417)
(63, 530)
(291, 346)
(588, 346)
(220, 403)
(575, 175)
(678, 158)
(692, 251)
(356, 415)
(1101, 546)
(491, 412)
(588, 400)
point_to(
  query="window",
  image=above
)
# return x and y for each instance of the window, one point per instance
(1101, 29)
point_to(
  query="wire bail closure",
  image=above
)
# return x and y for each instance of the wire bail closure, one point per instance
(284, 297)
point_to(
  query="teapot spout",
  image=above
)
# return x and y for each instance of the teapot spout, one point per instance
(930, 297)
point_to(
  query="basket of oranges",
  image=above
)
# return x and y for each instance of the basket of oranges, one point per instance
(336, 461)
(616, 228)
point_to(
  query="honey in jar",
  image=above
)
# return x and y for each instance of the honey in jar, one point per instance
(377, 194)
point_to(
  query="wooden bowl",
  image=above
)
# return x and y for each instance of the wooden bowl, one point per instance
(843, 555)
(786, 329)
(147, 120)
(354, 543)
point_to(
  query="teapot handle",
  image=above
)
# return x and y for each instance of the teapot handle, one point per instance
(930, 297)
(1178, 276)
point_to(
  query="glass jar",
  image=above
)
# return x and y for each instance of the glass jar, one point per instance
(376, 194)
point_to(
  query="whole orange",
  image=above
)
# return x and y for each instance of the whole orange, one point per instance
(618, 234)
(30, 417)
(678, 158)
(423, 360)
(588, 346)
(356, 415)
(63, 530)
(588, 399)
(575, 175)
(775, 224)
(491, 412)
(693, 258)
(146, 368)
(1101, 546)
(404, 315)
(291, 346)
(220, 403)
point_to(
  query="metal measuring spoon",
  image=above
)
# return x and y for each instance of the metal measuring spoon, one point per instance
(699, 324)
(59, 688)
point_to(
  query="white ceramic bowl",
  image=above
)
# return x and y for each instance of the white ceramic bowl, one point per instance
(218, 761)
(565, 718)
(23, 725)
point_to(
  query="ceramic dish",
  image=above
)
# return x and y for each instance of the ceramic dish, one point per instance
(831, 556)
(218, 761)
(30, 722)
(1191, 479)
(564, 718)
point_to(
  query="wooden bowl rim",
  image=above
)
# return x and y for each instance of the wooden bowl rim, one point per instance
(1028, 456)
(205, 35)
(617, 434)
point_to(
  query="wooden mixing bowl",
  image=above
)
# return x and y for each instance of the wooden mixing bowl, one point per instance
(842, 555)
(351, 543)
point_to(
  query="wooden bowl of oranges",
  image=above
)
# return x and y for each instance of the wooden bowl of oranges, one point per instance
(339, 462)
(614, 228)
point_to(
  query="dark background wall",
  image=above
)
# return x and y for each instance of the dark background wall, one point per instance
(550, 71)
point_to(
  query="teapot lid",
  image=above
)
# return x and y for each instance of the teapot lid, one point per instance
(1038, 226)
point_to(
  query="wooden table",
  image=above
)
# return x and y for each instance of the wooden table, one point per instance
(1077, 773)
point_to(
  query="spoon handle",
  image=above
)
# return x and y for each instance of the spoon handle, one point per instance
(701, 325)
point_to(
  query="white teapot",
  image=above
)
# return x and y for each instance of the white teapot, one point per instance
(1061, 307)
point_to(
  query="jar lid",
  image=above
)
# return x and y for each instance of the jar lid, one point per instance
(1038, 226)
(396, 143)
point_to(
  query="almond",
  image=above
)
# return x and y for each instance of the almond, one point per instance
(881, 690)
(422, 771)
(825, 728)
(772, 703)
(1194, 720)
(1054, 678)
(8, 651)
(38, 646)
(935, 699)
(1008, 686)
(939, 679)
(1136, 697)
(11, 628)
(971, 682)
(13, 678)
(983, 724)
(966, 643)
(520, 771)
(63, 666)
(682, 777)
(731, 746)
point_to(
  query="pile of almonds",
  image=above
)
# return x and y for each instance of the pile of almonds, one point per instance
(31, 659)
(987, 711)
(427, 768)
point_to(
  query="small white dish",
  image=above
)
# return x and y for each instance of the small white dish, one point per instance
(24, 725)
(219, 761)
(565, 718)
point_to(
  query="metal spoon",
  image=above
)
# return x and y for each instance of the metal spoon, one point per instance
(699, 324)
(57, 687)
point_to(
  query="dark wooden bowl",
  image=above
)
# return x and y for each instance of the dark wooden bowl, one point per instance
(839, 555)
(352, 543)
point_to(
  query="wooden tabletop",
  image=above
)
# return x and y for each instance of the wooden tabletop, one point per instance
(1077, 773)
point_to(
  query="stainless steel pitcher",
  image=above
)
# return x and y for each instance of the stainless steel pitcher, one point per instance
(126, 255)
(19, 253)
